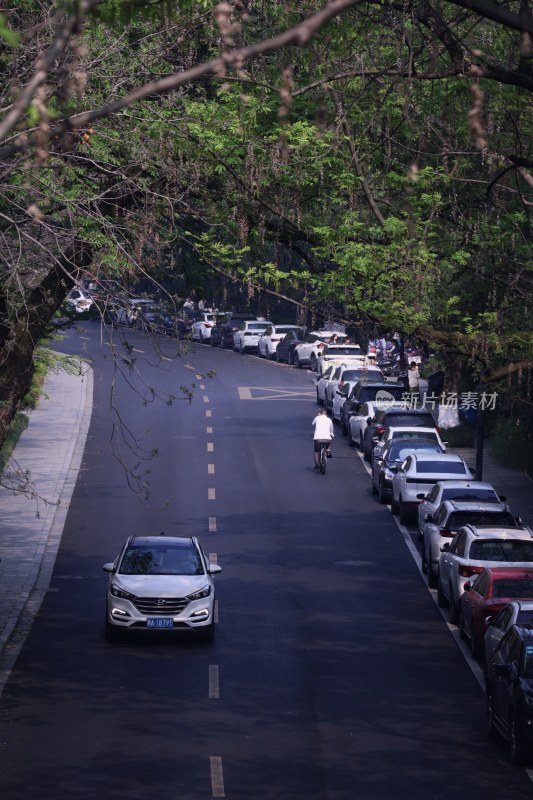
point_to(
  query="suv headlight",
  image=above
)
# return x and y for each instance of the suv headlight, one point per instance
(205, 592)
(387, 474)
(117, 592)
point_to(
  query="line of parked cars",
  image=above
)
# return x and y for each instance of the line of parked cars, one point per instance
(477, 553)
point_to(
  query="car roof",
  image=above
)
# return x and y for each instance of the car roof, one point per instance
(420, 429)
(177, 541)
(489, 532)
(465, 484)
(443, 457)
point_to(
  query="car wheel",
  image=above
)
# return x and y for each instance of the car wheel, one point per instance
(382, 494)
(442, 600)
(462, 632)
(433, 577)
(393, 504)
(314, 365)
(350, 439)
(517, 749)
(278, 359)
(296, 361)
(454, 609)
(491, 725)
(404, 513)
(367, 454)
(319, 400)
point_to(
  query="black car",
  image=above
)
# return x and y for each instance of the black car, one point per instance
(510, 692)
(397, 417)
(222, 334)
(364, 392)
(285, 349)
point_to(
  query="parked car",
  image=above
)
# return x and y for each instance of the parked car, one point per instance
(341, 354)
(373, 395)
(440, 528)
(154, 318)
(461, 491)
(339, 398)
(306, 353)
(222, 333)
(386, 464)
(160, 583)
(418, 473)
(285, 348)
(483, 597)
(78, 300)
(270, 339)
(397, 417)
(510, 692)
(322, 383)
(246, 337)
(203, 325)
(215, 340)
(472, 549)
(516, 612)
(353, 370)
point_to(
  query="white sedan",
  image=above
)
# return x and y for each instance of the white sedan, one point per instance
(405, 433)
(340, 353)
(248, 334)
(417, 475)
(78, 300)
(201, 327)
(268, 343)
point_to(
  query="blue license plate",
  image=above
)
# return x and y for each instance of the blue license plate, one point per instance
(159, 622)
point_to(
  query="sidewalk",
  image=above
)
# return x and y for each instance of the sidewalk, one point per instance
(51, 448)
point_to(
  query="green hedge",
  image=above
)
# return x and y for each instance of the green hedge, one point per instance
(512, 444)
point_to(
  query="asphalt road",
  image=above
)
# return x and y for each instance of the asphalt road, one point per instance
(333, 675)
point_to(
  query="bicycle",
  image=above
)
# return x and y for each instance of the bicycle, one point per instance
(323, 457)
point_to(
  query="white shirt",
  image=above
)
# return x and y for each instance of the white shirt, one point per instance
(323, 427)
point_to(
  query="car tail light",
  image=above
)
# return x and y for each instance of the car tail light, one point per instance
(208, 324)
(380, 430)
(467, 572)
(446, 532)
(321, 344)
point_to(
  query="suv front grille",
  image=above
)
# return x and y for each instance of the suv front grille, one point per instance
(160, 605)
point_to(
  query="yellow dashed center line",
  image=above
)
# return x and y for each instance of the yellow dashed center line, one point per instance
(208, 413)
(210, 447)
(211, 494)
(212, 524)
(214, 686)
(210, 469)
(206, 399)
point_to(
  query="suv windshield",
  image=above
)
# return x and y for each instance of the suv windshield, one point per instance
(470, 495)
(441, 467)
(409, 420)
(501, 519)
(399, 451)
(161, 560)
(513, 587)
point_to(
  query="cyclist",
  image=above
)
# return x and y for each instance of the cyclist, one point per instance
(323, 433)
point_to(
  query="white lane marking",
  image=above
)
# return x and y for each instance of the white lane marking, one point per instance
(211, 494)
(188, 366)
(206, 399)
(209, 430)
(216, 612)
(214, 683)
(212, 524)
(273, 393)
(210, 447)
(217, 777)
(210, 469)
(208, 413)
(198, 377)
(213, 558)
(202, 386)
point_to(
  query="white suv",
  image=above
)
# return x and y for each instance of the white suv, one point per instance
(471, 551)
(307, 352)
(202, 325)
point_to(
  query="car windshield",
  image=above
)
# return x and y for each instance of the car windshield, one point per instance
(370, 392)
(343, 350)
(502, 550)
(161, 560)
(355, 374)
(400, 451)
(410, 420)
(501, 519)
(470, 494)
(441, 467)
(257, 326)
(513, 587)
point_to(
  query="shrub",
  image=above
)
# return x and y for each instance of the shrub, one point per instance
(461, 436)
(512, 444)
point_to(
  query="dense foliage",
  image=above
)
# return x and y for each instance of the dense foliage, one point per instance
(372, 167)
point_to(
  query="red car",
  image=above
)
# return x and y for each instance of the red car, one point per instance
(486, 595)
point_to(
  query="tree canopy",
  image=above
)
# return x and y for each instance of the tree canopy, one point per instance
(366, 161)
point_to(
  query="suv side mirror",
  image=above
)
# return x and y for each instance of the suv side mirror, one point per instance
(428, 517)
(445, 548)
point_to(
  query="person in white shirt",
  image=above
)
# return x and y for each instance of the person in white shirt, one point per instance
(323, 433)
